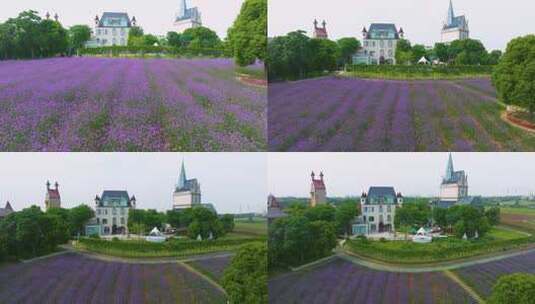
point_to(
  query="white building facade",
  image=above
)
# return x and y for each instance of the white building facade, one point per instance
(379, 44)
(111, 211)
(187, 192)
(455, 27)
(454, 186)
(378, 209)
(111, 30)
(187, 18)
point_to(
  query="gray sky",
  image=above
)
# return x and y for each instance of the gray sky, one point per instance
(348, 174)
(493, 22)
(155, 16)
(228, 180)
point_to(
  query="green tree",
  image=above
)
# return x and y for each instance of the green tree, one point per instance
(514, 76)
(344, 215)
(441, 51)
(78, 36)
(493, 215)
(205, 222)
(494, 57)
(173, 218)
(245, 279)
(412, 214)
(323, 212)
(403, 52)
(135, 35)
(418, 51)
(323, 55)
(174, 39)
(247, 38)
(468, 52)
(440, 217)
(518, 288)
(347, 47)
(78, 218)
(228, 222)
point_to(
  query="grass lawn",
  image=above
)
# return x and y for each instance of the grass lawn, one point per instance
(522, 211)
(257, 227)
(519, 218)
(440, 250)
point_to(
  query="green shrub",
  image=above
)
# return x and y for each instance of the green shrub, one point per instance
(419, 71)
(518, 288)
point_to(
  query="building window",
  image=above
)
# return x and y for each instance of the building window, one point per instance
(388, 208)
(371, 219)
(388, 218)
(98, 220)
(122, 32)
(114, 32)
(98, 210)
(382, 43)
(390, 53)
(373, 209)
(98, 32)
(122, 220)
(366, 43)
(106, 211)
(106, 32)
(382, 52)
(104, 221)
(373, 43)
(114, 221)
(113, 40)
(114, 211)
(380, 208)
(390, 43)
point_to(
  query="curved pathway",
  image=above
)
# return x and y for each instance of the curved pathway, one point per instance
(351, 257)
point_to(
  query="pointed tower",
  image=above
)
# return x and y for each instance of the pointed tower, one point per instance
(187, 17)
(449, 169)
(183, 7)
(451, 14)
(182, 178)
(187, 191)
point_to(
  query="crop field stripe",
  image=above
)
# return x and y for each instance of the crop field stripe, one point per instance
(467, 288)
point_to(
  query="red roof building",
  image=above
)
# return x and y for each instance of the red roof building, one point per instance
(320, 32)
(318, 191)
(52, 197)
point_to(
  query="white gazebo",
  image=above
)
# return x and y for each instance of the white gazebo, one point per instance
(423, 60)
(155, 236)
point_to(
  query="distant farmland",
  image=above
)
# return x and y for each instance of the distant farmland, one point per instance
(345, 114)
(72, 278)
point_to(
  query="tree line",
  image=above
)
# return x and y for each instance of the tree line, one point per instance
(32, 232)
(307, 234)
(197, 221)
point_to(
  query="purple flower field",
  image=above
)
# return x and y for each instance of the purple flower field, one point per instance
(347, 114)
(71, 278)
(214, 267)
(483, 277)
(340, 281)
(107, 104)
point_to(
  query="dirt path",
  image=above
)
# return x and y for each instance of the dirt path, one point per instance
(467, 288)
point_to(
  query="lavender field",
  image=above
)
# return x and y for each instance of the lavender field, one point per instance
(346, 114)
(340, 281)
(71, 278)
(483, 277)
(106, 104)
(213, 267)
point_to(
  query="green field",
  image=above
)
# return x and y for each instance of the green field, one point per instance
(441, 250)
(257, 227)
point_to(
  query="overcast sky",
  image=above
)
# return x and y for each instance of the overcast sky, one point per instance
(493, 22)
(414, 174)
(155, 16)
(233, 182)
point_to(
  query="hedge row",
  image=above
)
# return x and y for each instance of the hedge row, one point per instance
(142, 50)
(437, 251)
(424, 69)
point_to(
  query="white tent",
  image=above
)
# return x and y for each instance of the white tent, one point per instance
(423, 60)
(155, 232)
(421, 231)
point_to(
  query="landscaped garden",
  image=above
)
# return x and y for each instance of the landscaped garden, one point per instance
(345, 114)
(171, 248)
(340, 281)
(72, 278)
(440, 250)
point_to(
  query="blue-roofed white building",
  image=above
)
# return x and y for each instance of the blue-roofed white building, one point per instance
(187, 192)
(111, 211)
(378, 209)
(379, 44)
(111, 29)
(455, 27)
(187, 17)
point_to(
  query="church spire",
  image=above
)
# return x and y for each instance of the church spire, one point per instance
(183, 8)
(182, 178)
(449, 169)
(451, 15)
